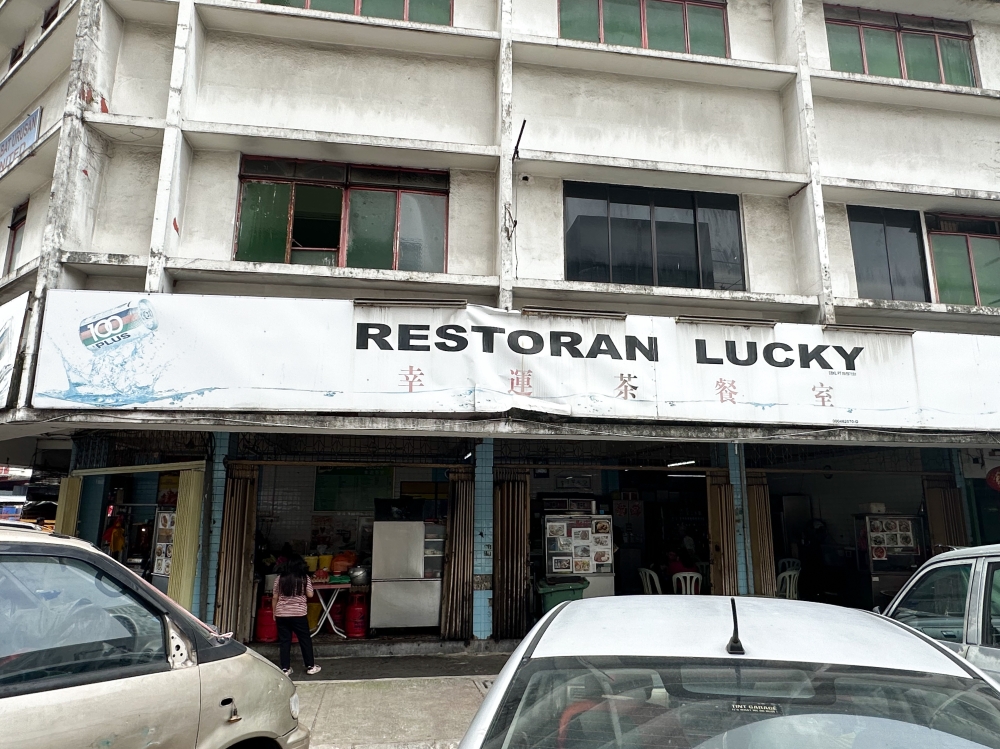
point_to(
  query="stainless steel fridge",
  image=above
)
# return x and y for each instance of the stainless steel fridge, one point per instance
(406, 584)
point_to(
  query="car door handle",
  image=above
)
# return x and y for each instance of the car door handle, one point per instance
(950, 634)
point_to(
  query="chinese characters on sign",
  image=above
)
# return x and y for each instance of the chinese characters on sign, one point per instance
(412, 378)
(626, 386)
(824, 394)
(520, 382)
(726, 390)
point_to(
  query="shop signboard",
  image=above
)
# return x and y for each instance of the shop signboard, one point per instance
(11, 324)
(118, 350)
(23, 137)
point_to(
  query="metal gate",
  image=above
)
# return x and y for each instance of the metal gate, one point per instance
(511, 574)
(234, 597)
(456, 585)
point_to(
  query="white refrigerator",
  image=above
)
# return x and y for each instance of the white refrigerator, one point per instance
(402, 595)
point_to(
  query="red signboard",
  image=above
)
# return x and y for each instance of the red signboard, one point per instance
(993, 478)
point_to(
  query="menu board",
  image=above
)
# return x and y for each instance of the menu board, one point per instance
(891, 535)
(163, 543)
(578, 545)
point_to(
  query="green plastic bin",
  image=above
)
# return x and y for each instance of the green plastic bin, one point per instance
(556, 591)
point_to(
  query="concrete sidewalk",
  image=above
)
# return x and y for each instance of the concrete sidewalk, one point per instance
(396, 667)
(411, 713)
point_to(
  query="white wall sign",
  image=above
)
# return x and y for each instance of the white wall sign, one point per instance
(11, 326)
(20, 140)
(172, 351)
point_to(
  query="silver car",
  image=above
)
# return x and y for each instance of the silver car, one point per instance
(659, 672)
(955, 599)
(93, 656)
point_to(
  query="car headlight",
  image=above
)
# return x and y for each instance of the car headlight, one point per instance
(293, 705)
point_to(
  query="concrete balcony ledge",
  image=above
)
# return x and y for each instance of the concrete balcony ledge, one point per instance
(17, 17)
(910, 197)
(931, 316)
(878, 90)
(262, 278)
(31, 170)
(19, 281)
(301, 25)
(352, 147)
(42, 63)
(105, 264)
(160, 12)
(127, 128)
(664, 300)
(650, 63)
(592, 167)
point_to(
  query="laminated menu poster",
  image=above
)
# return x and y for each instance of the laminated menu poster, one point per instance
(578, 545)
(891, 535)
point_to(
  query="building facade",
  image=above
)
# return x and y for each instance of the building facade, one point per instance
(657, 237)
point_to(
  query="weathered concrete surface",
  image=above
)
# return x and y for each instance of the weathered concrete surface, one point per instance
(396, 666)
(422, 713)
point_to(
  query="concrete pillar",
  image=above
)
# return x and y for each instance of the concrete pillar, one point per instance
(969, 511)
(744, 560)
(211, 532)
(482, 548)
(505, 176)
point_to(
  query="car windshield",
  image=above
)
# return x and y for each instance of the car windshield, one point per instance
(658, 703)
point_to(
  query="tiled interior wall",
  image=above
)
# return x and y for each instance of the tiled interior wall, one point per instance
(285, 504)
(215, 476)
(482, 610)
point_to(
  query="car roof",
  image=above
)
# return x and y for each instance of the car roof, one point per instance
(24, 533)
(770, 629)
(967, 552)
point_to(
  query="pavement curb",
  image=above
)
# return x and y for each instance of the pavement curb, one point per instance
(380, 649)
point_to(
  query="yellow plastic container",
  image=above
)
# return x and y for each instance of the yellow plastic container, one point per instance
(325, 560)
(313, 612)
(311, 562)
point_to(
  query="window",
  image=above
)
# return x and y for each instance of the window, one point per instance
(652, 237)
(698, 28)
(50, 16)
(16, 237)
(62, 617)
(294, 211)
(991, 628)
(419, 11)
(16, 54)
(898, 46)
(888, 254)
(966, 254)
(935, 605)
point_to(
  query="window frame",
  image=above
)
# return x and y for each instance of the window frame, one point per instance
(50, 16)
(16, 55)
(18, 222)
(971, 592)
(652, 243)
(968, 249)
(406, 11)
(346, 187)
(898, 29)
(718, 4)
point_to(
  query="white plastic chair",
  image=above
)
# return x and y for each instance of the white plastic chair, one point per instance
(650, 580)
(788, 584)
(688, 582)
(704, 569)
(788, 564)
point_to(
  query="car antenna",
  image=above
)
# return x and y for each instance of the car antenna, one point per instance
(735, 647)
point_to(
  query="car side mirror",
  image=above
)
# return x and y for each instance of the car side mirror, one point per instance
(877, 609)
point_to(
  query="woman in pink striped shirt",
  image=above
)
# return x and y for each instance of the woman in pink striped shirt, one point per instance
(291, 589)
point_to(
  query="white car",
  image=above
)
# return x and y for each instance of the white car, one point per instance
(93, 656)
(659, 672)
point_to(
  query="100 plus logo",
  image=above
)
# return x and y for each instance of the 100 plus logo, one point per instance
(127, 322)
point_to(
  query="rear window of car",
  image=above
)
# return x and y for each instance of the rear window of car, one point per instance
(657, 703)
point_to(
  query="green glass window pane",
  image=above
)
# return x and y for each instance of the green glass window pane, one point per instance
(920, 51)
(316, 217)
(383, 8)
(665, 26)
(707, 30)
(956, 57)
(622, 23)
(312, 257)
(579, 19)
(986, 253)
(371, 227)
(263, 222)
(431, 11)
(286, 3)
(882, 51)
(333, 6)
(422, 220)
(951, 267)
(845, 48)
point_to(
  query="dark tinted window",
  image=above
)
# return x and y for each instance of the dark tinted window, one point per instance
(649, 237)
(888, 254)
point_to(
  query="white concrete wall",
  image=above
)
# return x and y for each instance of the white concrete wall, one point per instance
(31, 243)
(125, 206)
(838, 239)
(31, 36)
(535, 17)
(539, 247)
(475, 14)
(644, 118)
(52, 100)
(815, 28)
(772, 264)
(142, 77)
(471, 223)
(914, 146)
(336, 89)
(210, 206)
(108, 41)
(987, 44)
(751, 30)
